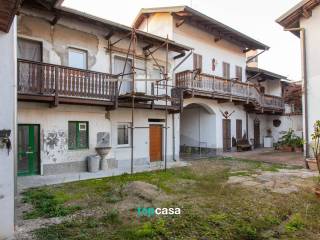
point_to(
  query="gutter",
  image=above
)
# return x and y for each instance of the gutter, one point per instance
(305, 86)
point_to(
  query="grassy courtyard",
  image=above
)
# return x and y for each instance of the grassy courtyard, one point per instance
(211, 207)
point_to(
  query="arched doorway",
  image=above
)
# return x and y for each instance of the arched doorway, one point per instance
(197, 131)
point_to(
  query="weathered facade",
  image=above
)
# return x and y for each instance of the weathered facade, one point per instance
(75, 83)
(224, 100)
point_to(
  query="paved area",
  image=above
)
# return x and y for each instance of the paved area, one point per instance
(284, 181)
(37, 181)
(269, 155)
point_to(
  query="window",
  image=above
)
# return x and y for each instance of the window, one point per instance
(239, 73)
(119, 63)
(29, 50)
(77, 58)
(158, 74)
(123, 133)
(226, 70)
(78, 135)
(197, 62)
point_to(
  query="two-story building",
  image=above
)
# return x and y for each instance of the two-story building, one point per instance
(85, 81)
(224, 100)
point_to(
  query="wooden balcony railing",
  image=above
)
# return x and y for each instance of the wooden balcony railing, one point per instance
(227, 88)
(42, 79)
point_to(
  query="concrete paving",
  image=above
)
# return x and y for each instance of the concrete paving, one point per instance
(38, 181)
(269, 155)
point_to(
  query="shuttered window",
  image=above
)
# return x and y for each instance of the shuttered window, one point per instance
(239, 73)
(197, 62)
(239, 129)
(78, 135)
(123, 133)
(226, 70)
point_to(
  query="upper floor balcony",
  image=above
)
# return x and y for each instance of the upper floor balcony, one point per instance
(55, 84)
(205, 85)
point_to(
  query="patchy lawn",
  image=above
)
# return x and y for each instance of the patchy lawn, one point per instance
(212, 206)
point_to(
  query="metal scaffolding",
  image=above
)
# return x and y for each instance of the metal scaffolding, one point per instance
(131, 51)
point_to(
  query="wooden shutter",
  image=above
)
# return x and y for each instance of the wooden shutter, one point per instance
(226, 70)
(239, 129)
(197, 62)
(239, 73)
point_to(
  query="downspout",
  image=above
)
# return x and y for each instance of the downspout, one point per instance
(305, 86)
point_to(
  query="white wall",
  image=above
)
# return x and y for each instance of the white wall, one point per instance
(141, 134)
(159, 24)
(204, 44)
(198, 127)
(311, 26)
(216, 108)
(54, 122)
(7, 121)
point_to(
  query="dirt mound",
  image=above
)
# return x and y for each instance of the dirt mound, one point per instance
(142, 190)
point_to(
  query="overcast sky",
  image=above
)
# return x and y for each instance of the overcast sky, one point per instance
(255, 18)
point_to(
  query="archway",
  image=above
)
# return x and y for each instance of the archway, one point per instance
(197, 131)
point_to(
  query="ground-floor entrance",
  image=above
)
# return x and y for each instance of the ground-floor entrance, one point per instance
(155, 142)
(226, 131)
(256, 133)
(28, 149)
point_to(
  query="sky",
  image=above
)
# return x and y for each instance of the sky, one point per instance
(255, 18)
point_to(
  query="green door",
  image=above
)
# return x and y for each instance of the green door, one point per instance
(28, 149)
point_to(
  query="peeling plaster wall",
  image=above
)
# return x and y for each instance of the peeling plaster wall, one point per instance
(70, 32)
(54, 132)
(54, 129)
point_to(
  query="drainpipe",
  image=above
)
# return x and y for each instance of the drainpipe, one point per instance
(305, 86)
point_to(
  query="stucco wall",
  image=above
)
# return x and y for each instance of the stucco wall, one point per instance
(311, 26)
(198, 127)
(204, 44)
(54, 133)
(214, 129)
(69, 32)
(7, 121)
(159, 24)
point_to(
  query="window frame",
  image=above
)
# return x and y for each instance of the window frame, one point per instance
(78, 147)
(224, 64)
(129, 135)
(78, 50)
(31, 40)
(239, 70)
(197, 62)
(162, 83)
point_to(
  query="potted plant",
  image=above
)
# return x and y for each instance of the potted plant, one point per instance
(286, 141)
(297, 143)
(315, 136)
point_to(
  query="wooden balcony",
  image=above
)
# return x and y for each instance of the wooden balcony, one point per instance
(209, 86)
(56, 84)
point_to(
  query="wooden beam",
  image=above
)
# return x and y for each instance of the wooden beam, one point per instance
(55, 19)
(180, 22)
(146, 48)
(109, 35)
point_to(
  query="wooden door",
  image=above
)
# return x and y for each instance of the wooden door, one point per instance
(155, 143)
(239, 129)
(28, 150)
(226, 123)
(256, 133)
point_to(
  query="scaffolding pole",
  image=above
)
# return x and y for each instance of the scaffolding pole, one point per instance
(166, 113)
(133, 46)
